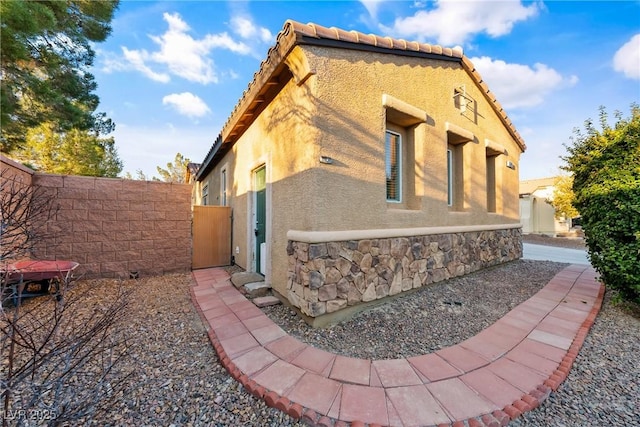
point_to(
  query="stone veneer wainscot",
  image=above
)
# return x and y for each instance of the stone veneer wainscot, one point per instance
(326, 276)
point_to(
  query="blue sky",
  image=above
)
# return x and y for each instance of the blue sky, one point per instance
(172, 71)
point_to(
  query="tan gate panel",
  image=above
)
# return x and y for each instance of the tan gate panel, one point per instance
(211, 236)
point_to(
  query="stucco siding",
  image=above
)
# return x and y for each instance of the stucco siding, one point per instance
(333, 107)
(284, 140)
(351, 118)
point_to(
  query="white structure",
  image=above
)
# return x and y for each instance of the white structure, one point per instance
(537, 215)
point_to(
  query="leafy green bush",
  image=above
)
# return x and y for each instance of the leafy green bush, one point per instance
(606, 169)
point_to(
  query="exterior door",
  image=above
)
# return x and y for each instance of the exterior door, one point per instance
(260, 229)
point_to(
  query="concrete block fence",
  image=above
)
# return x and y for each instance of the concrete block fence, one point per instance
(114, 227)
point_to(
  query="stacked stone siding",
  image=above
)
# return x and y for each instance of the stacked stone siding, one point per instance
(326, 277)
(113, 226)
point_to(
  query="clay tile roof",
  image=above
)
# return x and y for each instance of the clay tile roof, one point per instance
(413, 46)
(347, 36)
(367, 39)
(295, 33)
(324, 32)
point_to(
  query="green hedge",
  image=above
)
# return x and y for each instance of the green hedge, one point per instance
(606, 168)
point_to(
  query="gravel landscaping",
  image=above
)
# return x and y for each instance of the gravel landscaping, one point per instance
(428, 319)
(176, 378)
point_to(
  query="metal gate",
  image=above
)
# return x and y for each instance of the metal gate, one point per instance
(211, 236)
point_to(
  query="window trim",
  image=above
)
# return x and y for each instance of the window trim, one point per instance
(450, 175)
(492, 183)
(205, 194)
(223, 187)
(399, 173)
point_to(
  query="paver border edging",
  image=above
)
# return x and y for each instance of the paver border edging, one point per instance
(527, 401)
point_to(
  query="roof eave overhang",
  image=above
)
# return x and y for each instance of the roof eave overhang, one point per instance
(267, 79)
(308, 40)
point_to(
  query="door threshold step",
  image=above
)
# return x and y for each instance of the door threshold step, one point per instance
(244, 277)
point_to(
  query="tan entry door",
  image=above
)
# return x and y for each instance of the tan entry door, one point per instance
(211, 236)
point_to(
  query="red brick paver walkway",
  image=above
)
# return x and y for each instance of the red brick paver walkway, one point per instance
(487, 380)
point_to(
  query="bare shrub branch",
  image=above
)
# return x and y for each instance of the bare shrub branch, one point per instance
(25, 211)
(62, 354)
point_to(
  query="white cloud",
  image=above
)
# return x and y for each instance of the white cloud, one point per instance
(266, 36)
(178, 52)
(453, 22)
(187, 57)
(187, 104)
(627, 58)
(519, 86)
(247, 29)
(136, 59)
(130, 60)
(371, 6)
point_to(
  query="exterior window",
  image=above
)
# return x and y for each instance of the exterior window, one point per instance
(393, 166)
(205, 195)
(223, 187)
(491, 184)
(450, 177)
(456, 177)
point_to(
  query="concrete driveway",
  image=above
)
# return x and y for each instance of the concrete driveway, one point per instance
(552, 253)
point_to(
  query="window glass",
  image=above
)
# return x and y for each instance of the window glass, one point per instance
(205, 195)
(223, 188)
(393, 166)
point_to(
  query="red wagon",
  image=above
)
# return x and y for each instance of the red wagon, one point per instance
(33, 278)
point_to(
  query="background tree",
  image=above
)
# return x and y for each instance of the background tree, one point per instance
(140, 176)
(176, 171)
(606, 169)
(563, 197)
(45, 56)
(75, 152)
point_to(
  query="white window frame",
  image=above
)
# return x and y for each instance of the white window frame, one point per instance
(387, 164)
(205, 194)
(223, 187)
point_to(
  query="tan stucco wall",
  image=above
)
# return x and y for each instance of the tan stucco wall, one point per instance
(539, 217)
(284, 139)
(338, 112)
(352, 119)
